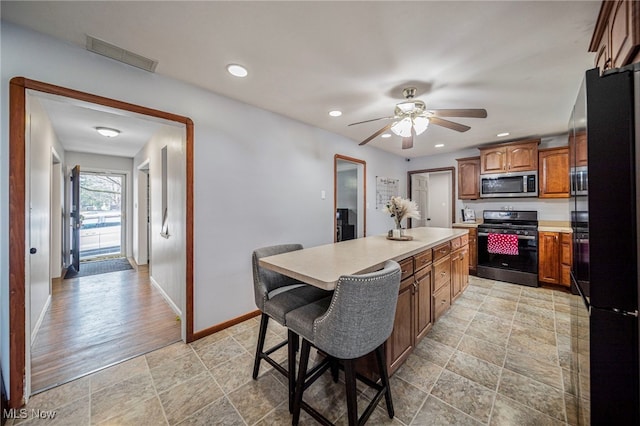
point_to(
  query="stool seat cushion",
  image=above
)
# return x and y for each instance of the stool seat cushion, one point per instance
(300, 321)
(280, 302)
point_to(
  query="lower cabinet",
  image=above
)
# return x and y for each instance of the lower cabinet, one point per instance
(473, 248)
(425, 294)
(554, 257)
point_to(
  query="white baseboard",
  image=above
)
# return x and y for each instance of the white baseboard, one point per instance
(40, 319)
(166, 297)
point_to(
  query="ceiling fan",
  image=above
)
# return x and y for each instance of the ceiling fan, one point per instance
(412, 117)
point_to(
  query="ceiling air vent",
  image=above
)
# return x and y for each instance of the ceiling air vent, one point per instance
(119, 54)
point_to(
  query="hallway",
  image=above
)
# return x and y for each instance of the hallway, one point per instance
(99, 320)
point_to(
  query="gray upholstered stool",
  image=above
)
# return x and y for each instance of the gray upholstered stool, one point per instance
(275, 295)
(356, 321)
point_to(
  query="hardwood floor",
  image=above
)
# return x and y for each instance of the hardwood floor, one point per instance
(96, 321)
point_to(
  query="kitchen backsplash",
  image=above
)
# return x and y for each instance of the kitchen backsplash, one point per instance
(548, 209)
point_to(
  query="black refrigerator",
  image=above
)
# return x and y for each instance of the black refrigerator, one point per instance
(604, 215)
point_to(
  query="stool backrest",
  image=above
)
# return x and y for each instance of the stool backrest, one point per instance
(266, 281)
(361, 315)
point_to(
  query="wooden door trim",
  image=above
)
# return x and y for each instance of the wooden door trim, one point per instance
(452, 170)
(17, 226)
(335, 192)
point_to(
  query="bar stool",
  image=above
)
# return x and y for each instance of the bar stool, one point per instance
(275, 295)
(358, 320)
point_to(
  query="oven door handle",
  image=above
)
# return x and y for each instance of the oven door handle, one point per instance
(520, 237)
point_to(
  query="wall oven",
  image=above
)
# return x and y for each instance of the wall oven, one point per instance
(508, 246)
(517, 184)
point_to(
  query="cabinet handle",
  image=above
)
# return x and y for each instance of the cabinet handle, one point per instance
(442, 274)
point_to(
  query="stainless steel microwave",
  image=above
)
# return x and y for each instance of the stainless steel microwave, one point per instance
(518, 184)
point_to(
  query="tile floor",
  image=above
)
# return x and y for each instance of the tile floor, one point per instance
(500, 356)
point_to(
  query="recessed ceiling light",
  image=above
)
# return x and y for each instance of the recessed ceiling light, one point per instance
(502, 134)
(386, 135)
(108, 132)
(335, 113)
(440, 145)
(237, 70)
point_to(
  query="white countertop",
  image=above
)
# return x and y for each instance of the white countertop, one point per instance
(322, 266)
(543, 225)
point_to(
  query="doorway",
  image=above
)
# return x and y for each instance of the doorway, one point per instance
(432, 190)
(19, 278)
(349, 189)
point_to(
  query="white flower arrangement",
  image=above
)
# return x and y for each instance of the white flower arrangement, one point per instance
(400, 208)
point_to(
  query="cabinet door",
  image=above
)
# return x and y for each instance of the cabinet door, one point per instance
(464, 259)
(623, 33)
(493, 160)
(566, 258)
(400, 343)
(473, 250)
(578, 147)
(522, 157)
(549, 257)
(422, 298)
(554, 173)
(469, 178)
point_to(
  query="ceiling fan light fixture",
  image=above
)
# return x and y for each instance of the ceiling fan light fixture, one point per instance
(420, 124)
(403, 127)
(108, 132)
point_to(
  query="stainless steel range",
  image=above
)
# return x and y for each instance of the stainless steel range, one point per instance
(508, 246)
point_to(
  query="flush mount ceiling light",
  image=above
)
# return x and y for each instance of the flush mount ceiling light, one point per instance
(503, 134)
(108, 132)
(386, 135)
(440, 145)
(237, 70)
(335, 113)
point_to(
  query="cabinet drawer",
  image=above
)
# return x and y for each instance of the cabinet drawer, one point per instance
(406, 267)
(566, 238)
(441, 272)
(464, 240)
(441, 251)
(422, 259)
(441, 301)
(456, 243)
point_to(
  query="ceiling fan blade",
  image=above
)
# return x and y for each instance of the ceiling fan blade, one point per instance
(407, 142)
(376, 134)
(473, 113)
(368, 121)
(448, 124)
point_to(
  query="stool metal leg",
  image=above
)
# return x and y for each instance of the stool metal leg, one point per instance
(352, 396)
(292, 350)
(302, 372)
(264, 320)
(384, 378)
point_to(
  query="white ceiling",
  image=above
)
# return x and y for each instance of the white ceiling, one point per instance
(522, 61)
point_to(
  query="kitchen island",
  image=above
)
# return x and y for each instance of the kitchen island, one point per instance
(435, 271)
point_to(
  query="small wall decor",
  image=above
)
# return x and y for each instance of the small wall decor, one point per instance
(385, 189)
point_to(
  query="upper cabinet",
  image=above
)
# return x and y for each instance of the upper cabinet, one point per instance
(616, 37)
(468, 178)
(554, 173)
(521, 156)
(578, 143)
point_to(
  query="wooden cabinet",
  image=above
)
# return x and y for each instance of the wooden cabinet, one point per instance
(518, 156)
(472, 255)
(566, 258)
(459, 271)
(468, 178)
(578, 144)
(413, 318)
(554, 173)
(554, 257)
(425, 294)
(441, 279)
(616, 37)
